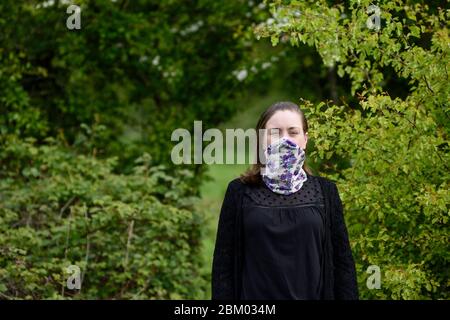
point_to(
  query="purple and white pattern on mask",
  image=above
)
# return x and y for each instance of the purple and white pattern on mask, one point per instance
(283, 172)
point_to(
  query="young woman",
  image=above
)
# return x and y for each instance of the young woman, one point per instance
(281, 232)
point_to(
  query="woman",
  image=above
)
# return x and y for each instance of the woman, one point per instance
(281, 231)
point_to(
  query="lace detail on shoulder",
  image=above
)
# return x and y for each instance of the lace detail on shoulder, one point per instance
(310, 193)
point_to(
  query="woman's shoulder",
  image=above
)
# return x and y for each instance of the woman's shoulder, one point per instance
(327, 183)
(321, 178)
(236, 184)
(233, 191)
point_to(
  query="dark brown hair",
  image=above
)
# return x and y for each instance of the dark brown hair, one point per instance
(253, 175)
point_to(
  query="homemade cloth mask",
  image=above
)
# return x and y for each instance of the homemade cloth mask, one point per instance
(283, 172)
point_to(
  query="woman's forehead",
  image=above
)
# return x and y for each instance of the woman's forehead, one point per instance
(285, 119)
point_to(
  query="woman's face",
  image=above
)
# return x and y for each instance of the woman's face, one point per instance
(288, 124)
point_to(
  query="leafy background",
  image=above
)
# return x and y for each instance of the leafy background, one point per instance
(86, 119)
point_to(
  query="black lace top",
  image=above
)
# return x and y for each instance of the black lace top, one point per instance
(283, 242)
(338, 275)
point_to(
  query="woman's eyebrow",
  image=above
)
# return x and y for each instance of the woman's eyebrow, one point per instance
(294, 128)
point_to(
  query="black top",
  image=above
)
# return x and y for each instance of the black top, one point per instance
(338, 276)
(283, 242)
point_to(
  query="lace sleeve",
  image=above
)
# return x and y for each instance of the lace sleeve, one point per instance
(223, 260)
(345, 283)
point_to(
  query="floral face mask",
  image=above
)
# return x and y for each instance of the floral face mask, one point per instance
(283, 172)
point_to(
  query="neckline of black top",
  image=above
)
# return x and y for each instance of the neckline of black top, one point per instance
(309, 194)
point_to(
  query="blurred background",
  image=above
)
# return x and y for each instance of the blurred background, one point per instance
(87, 114)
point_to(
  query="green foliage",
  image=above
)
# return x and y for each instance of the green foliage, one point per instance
(128, 233)
(395, 186)
(140, 69)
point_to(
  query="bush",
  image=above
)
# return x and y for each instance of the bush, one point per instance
(128, 234)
